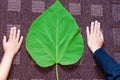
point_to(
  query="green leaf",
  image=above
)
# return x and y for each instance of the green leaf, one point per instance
(54, 38)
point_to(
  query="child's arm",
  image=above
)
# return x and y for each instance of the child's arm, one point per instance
(107, 64)
(10, 47)
(95, 42)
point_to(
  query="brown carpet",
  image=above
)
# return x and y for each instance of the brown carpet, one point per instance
(21, 13)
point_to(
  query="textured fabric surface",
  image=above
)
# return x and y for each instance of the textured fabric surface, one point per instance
(21, 13)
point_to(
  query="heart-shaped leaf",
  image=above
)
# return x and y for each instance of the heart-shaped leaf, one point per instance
(54, 38)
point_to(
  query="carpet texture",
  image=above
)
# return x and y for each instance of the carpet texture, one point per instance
(21, 13)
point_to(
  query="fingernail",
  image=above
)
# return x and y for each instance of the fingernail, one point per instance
(92, 22)
(21, 36)
(4, 37)
(18, 30)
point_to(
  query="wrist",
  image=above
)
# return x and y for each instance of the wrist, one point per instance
(94, 49)
(9, 54)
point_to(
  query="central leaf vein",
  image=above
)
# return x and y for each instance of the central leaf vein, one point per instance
(57, 39)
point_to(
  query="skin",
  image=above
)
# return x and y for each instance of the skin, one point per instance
(10, 47)
(95, 37)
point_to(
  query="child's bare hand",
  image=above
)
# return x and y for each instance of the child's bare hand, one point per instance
(94, 36)
(14, 42)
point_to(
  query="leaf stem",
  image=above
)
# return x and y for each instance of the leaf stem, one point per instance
(57, 72)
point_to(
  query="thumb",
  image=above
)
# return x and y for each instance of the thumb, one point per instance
(4, 40)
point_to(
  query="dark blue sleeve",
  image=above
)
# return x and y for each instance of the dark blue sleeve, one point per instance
(107, 64)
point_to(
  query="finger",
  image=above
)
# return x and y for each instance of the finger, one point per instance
(11, 34)
(18, 35)
(98, 29)
(87, 31)
(92, 25)
(14, 32)
(4, 40)
(101, 35)
(21, 40)
(95, 27)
